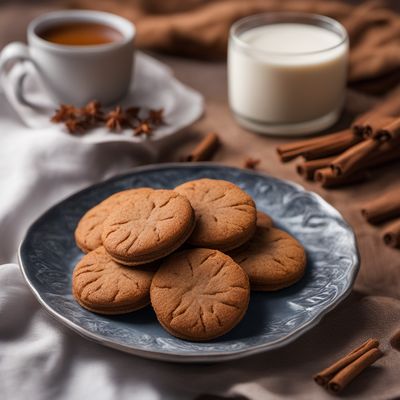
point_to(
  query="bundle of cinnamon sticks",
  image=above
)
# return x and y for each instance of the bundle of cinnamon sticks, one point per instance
(348, 156)
(337, 376)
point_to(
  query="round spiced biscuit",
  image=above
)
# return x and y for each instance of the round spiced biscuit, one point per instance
(152, 226)
(101, 285)
(225, 214)
(90, 227)
(199, 294)
(264, 220)
(272, 259)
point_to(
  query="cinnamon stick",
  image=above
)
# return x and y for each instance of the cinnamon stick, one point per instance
(391, 236)
(384, 208)
(205, 149)
(389, 151)
(369, 123)
(299, 144)
(352, 158)
(328, 179)
(390, 107)
(318, 147)
(383, 155)
(331, 148)
(388, 132)
(395, 340)
(323, 377)
(347, 374)
(307, 168)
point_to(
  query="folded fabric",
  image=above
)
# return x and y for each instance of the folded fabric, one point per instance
(200, 28)
(40, 163)
(153, 87)
(39, 167)
(40, 359)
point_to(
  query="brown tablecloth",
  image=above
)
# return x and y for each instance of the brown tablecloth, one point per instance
(380, 272)
(373, 310)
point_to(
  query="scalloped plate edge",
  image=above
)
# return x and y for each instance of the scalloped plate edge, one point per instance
(200, 357)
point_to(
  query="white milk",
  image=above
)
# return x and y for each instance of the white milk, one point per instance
(287, 78)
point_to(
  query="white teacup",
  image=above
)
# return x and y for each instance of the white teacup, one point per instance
(77, 74)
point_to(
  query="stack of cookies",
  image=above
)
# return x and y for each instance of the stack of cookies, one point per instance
(193, 252)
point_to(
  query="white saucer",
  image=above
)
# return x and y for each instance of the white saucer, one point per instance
(153, 86)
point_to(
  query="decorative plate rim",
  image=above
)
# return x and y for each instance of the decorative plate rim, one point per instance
(199, 356)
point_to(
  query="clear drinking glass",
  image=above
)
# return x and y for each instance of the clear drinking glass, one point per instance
(296, 88)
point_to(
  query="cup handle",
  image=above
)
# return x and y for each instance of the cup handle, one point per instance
(16, 52)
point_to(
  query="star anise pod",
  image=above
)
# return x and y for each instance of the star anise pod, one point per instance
(93, 111)
(76, 125)
(156, 117)
(116, 119)
(144, 128)
(80, 120)
(133, 112)
(251, 163)
(64, 112)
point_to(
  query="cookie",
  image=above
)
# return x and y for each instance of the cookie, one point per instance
(272, 259)
(90, 227)
(264, 220)
(101, 285)
(152, 226)
(199, 294)
(225, 214)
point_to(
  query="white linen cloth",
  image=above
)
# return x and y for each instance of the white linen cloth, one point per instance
(153, 86)
(40, 164)
(40, 359)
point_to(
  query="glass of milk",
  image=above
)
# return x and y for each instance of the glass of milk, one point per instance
(287, 72)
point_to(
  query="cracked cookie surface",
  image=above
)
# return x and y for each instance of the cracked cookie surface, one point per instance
(101, 285)
(225, 214)
(152, 226)
(272, 259)
(90, 227)
(199, 294)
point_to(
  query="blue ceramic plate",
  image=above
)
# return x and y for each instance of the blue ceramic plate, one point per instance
(48, 255)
